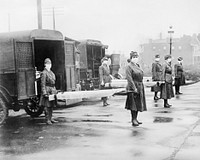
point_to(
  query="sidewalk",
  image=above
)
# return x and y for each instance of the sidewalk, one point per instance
(189, 149)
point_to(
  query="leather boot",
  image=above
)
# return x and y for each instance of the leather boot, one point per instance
(166, 105)
(48, 116)
(137, 119)
(155, 96)
(105, 101)
(134, 121)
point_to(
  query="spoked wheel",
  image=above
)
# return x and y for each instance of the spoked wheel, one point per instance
(32, 108)
(3, 111)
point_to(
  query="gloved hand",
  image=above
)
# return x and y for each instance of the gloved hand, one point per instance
(161, 82)
(135, 91)
(46, 96)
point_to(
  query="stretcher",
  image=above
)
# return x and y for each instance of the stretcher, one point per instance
(85, 94)
(117, 85)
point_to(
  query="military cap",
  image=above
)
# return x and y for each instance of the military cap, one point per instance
(104, 59)
(167, 57)
(157, 56)
(47, 61)
(133, 54)
(180, 58)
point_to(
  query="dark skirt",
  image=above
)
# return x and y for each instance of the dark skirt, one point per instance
(179, 81)
(136, 102)
(167, 91)
(103, 87)
(44, 101)
(156, 87)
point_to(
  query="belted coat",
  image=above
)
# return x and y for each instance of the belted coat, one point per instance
(179, 74)
(47, 87)
(136, 100)
(167, 87)
(104, 74)
(156, 75)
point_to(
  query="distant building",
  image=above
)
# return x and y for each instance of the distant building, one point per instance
(187, 47)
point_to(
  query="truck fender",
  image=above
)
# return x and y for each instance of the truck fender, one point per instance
(4, 94)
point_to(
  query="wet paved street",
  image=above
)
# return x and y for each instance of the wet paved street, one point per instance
(91, 132)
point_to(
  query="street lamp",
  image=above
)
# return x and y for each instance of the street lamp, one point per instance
(170, 42)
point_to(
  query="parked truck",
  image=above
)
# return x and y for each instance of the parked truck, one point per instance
(22, 54)
(22, 57)
(92, 51)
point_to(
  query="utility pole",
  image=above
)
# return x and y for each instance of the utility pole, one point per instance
(53, 11)
(8, 22)
(54, 21)
(39, 13)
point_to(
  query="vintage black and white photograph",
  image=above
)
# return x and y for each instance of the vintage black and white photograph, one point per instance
(99, 80)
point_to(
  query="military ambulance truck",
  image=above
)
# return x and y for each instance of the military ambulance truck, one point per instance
(22, 56)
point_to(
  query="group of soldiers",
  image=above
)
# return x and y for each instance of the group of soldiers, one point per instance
(162, 74)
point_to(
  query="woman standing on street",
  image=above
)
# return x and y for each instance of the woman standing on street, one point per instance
(47, 88)
(179, 76)
(104, 78)
(167, 87)
(156, 76)
(135, 101)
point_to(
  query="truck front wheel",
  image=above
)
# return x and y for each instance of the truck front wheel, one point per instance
(3, 111)
(32, 108)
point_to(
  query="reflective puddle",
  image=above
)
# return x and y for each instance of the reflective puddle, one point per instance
(162, 120)
(101, 115)
(164, 112)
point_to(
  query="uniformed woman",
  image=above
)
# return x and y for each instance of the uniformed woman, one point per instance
(166, 86)
(47, 88)
(156, 76)
(135, 101)
(179, 76)
(104, 78)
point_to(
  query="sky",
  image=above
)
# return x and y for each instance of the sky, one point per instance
(121, 24)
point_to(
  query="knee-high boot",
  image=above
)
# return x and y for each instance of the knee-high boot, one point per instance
(137, 119)
(166, 105)
(48, 115)
(176, 89)
(155, 96)
(105, 101)
(134, 120)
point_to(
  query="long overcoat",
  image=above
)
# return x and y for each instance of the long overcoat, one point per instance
(167, 87)
(104, 75)
(179, 74)
(156, 75)
(47, 88)
(135, 89)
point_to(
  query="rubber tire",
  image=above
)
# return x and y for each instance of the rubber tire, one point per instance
(34, 112)
(3, 111)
